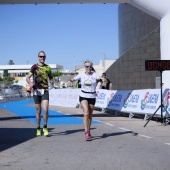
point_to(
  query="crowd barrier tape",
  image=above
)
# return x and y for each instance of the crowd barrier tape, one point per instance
(144, 101)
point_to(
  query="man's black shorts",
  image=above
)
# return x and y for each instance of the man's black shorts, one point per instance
(39, 99)
(89, 100)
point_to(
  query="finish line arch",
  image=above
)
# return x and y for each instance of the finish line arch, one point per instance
(158, 9)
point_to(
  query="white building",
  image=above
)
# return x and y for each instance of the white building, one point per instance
(22, 70)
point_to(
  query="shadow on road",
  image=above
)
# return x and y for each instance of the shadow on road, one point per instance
(10, 137)
(68, 132)
(106, 135)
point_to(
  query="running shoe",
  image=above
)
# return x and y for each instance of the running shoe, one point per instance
(86, 136)
(89, 134)
(38, 132)
(45, 130)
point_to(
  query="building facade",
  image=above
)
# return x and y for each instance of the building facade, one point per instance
(139, 40)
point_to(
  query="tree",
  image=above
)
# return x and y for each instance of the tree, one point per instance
(16, 81)
(56, 75)
(7, 80)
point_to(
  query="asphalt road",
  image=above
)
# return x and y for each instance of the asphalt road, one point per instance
(118, 143)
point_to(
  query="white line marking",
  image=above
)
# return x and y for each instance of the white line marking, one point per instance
(59, 111)
(109, 124)
(124, 129)
(167, 143)
(97, 120)
(144, 136)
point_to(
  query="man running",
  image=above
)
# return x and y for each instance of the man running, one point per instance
(41, 72)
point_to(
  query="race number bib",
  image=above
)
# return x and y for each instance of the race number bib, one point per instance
(39, 92)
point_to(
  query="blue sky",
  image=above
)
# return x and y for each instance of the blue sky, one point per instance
(68, 33)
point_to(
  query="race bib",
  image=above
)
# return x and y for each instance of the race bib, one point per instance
(39, 92)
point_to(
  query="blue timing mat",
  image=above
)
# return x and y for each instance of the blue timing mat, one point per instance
(21, 109)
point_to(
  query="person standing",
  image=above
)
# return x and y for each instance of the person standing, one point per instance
(41, 73)
(99, 84)
(78, 84)
(106, 83)
(87, 96)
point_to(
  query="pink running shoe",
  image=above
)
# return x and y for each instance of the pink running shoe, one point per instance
(89, 134)
(86, 136)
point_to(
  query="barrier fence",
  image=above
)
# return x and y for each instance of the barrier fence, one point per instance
(144, 101)
(7, 94)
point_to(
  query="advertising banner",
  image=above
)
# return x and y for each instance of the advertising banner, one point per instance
(116, 99)
(166, 102)
(102, 98)
(142, 101)
(145, 101)
(64, 97)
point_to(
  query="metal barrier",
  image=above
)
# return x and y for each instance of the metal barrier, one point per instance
(7, 94)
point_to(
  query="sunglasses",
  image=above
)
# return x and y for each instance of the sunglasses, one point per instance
(88, 66)
(42, 56)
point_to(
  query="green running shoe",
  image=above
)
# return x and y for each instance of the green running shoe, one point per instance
(45, 130)
(38, 132)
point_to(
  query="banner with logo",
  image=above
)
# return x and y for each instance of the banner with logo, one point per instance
(64, 97)
(102, 98)
(135, 101)
(142, 101)
(116, 99)
(166, 102)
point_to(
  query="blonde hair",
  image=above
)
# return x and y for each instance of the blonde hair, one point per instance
(88, 61)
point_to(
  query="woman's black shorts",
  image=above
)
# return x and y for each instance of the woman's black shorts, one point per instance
(89, 100)
(39, 99)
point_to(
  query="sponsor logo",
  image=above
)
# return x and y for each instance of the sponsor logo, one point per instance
(116, 98)
(111, 96)
(166, 101)
(101, 96)
(131, 98)
(126, 100)
(149, 100)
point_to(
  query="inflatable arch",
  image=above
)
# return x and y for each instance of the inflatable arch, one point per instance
(158, 8)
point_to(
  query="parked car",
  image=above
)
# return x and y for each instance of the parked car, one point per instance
(18, 88)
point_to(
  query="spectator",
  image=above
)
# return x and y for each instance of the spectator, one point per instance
(106, 83)
(69, 84)
(99, 84)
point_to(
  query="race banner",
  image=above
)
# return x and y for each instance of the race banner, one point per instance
(116, 99)
(64, 97)
(142, 101)
(166, 102)
(145, 101)
(102, 98)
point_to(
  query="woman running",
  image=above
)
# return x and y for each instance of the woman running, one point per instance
(87, 95)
